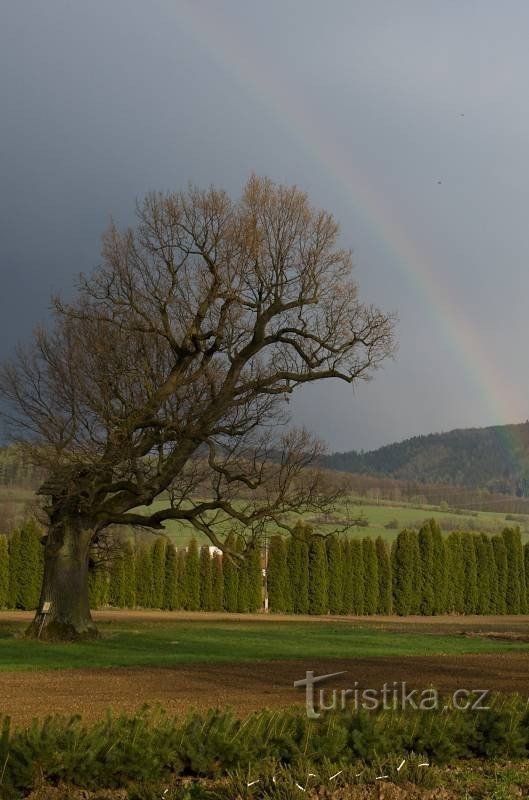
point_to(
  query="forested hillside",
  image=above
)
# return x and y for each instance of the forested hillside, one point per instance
(495, 457)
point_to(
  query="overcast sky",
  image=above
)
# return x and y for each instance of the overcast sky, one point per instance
(408, 120)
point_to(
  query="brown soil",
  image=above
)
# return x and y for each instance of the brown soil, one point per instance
(245, 687)
(442, 624)
(113, 615)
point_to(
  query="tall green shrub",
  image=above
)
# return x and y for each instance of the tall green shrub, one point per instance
(158, 571)
(98, 586)
(426, 570)
(116, 589)
(298, 568)
(192, 577)
(231, 576)
(500, 560)
(456, 574)
(470, 593)
(129, 575)
(4, 572)
(347, 588)
(440, 567)
(357, 582)
(171, 594)
(144, 577)
(181, 558)
(370, 576)
(385, 588)
(15, 569)
(335, 574)
(206, 600)
(513, 550)
(484, 577)
(318, 580)
(255, 577)
(279, 594)
(30, 565)
(406, 573)
(217, 583)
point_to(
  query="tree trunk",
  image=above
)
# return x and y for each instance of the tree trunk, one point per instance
(63, 612)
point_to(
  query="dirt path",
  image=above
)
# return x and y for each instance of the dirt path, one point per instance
(244, 687)
(441, 624)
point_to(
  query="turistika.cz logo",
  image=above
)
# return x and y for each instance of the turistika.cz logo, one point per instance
(392, 696)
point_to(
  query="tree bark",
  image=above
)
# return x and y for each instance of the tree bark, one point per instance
(65, 584)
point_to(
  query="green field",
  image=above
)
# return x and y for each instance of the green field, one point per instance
(133, 643)
(378, 515)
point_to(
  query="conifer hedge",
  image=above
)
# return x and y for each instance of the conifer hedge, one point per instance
(422, 572)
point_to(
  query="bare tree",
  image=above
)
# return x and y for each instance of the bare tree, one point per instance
(166, 378)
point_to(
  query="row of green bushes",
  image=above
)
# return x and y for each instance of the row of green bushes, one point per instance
(118, 751)
(421, 573)
(160, 576)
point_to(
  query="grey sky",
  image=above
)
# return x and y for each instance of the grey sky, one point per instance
(367, 105)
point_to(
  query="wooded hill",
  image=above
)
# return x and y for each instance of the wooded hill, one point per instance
(496, 458)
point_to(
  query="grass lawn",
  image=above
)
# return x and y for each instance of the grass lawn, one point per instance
(378, 516)
(170, 643)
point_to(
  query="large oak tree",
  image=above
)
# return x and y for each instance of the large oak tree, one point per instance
(166, 377)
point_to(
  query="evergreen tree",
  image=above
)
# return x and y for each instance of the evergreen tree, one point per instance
(206, 600)
(513, 550)
(217, 583)
(406, 578)
(15, 568)
(294, 568)
(181, 558)
(279, 595)
(335, 574)
(144, 578)
(500, 560)
(30, 566)
(105, 586)
(483, 575)
(298, 567)
(158, 571)
(470, 592)
(347, 583)
(318, 581)
(116, 590)
(426, 570)
(521, 569)
(255, 578)
(456, 571)
(493, 599)
(171, 600)
(94, 588)
(192, 577)
(129, 576)
(302, 597)
(526, 569)
(370, 576)
(98, 586)
(440, 567)
(243, 587)
(4, 572)
(357, 582)
(385, 589)
(231, 576)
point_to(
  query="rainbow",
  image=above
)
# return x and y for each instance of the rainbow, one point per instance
(210, 32)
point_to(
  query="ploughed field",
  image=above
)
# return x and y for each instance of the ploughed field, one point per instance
(249, 662)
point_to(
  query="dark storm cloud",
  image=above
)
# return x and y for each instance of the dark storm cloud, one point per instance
(103, 101)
